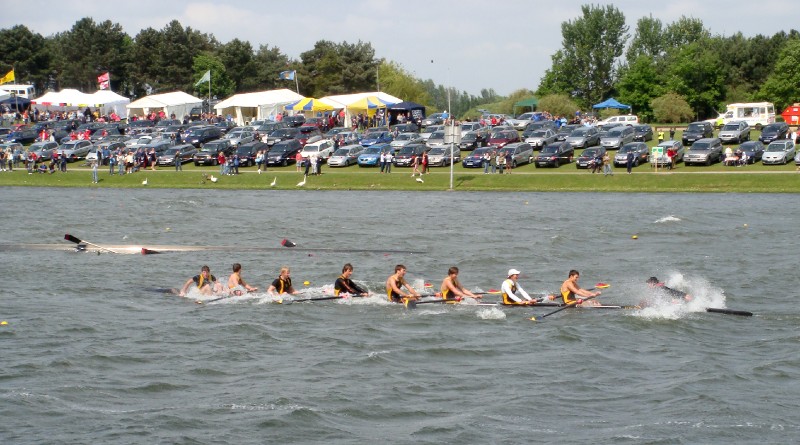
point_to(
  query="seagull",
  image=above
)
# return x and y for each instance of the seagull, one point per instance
(144, 182)
(303, 182)
(420, 180)
(274, 181)
(213, 179)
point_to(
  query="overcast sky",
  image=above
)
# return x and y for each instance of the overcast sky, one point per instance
(505, 45)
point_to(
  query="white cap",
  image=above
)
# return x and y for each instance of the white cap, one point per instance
(513, 272)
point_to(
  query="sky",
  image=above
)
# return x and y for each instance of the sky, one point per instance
(469, 45)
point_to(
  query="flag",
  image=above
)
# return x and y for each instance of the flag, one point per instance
(104, 80)
(287, 75)
(9, 77)
(206, 78)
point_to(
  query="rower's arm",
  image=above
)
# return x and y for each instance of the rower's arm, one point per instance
(524, 294)
(506, 289)
(186, 287)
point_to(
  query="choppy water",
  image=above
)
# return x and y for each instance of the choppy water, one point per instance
(89, 355)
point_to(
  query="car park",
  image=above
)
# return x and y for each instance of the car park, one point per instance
(282, 134)
(521, 153)
(443, 156)
(640, 154)
(586, 158)
(520, 122)
(695, 131)
(554, 155)
(735, 132)
(371, 156)
(239, 136)
(622, 119)
(208, 154)
(225, 126)
(538, 125)
(159, 145)
(294, 121)
(345, 156)
(500, 138)
(322, 148)
(433, 119)
(283, 153)
(75, 150)
(408, 127)
(704, 151)
(541, 137)
(308, 134)
(202, 135)
(141, 141)
(43, 149)
(617, 137)
(436, 140)
(376, 137)
(24, 136)
(140, 126)
(404, 139)
(754, 151)
(564, 131)
(584, 137)
(771, 132)
(406, 154)
(179, 153)
(642, 133)
(778, 152)
(662, 160)
(476, 158)
(426, 132)
(474, 139)
(466, 127)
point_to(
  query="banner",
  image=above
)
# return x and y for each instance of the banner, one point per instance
(206, 78)
(287, 75)
(104, 81)
(9, 77)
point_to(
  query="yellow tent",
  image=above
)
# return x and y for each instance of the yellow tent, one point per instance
(309, 104)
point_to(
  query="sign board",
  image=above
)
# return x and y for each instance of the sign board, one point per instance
(452, 134)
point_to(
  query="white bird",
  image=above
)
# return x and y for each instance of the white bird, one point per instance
(420, 180)
(303, 182)
(213, 179)
(274, 181)
(144, 182)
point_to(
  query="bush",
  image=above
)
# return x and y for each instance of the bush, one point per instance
(671, 108)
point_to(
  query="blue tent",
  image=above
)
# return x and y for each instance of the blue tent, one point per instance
(611, 103)
(17, 103)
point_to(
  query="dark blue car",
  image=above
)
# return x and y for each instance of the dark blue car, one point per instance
(378, 137)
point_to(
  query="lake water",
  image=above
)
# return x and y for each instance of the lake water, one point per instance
(91, 354)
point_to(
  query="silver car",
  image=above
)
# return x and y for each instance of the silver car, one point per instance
(778, 152)
(617, 137)
(404, 139)
(429, 130)
(541, 137)
(347, 155)
(238, 137)
(662, 160)
(584, 137)
(75, 150)
(640, 152)
(521, 153)
(436, 140)
(441, 156)
(704, 151)
(735, 132)
(43, 150)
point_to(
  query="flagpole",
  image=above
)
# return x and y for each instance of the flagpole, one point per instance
(209, 91)
(296, 83)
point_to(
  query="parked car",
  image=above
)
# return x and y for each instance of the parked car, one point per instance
(697, 130)
(521, 121)
(735, 132)
(345, 156)
(586, 158)
(704, 151)
(554, 155)
(407, 154)
(330, 134)
(617, 137)
(521, 153)
(24, 136)
(179, 153)
(226, 126)
(207, 155)
(309, 134)
(404, 139)
(436, 140)
(408, 127)
(239, 136)
(662, 160)
(141, 141)
(371, 156)
(282, 134)
(541, 137)
(199, 136)
(640, 154)
(43, 150)
(771, 132)
(140, 126)
(500, 138)
(294, 121)
(426, 132)
(624, 119)
(642, 133)
(75, 150)
(797, 159)
(347, 138)
(283, 153)
(322, 148)
(159, 145)
(318, 122)
(754, 151)
(475, 159)
(474, 139)
(538, 125)
(247, 152)
(433, 119)
(12, 147)
(442, 156)
(565, 130)
(466, 127)
(778, 152)
(106, 149)
(376, 137)
(584, 137)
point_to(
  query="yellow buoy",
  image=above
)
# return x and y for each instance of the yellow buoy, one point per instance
(306, 283)
(3, 323)
(635, 237)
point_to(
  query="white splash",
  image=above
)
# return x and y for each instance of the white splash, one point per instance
(491, 313)
(669, 218)
(703, 293)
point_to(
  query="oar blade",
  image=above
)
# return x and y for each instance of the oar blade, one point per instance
(729, 312)
(71, 238)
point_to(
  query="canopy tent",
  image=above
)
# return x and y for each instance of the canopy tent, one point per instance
(108, 101)
(176, 102)
(416, 111)
(16, 103)
(351, 104)
(309, 104)
(530, 102)
(246, 107)
(103, 101)
(611, 103)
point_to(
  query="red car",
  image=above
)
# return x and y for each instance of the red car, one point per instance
(501, 138)
(309, 134)
(314, 122)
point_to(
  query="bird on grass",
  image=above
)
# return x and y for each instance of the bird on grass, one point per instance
(303, 182)
(213, 179)
(420, 180)
(144, 182)
(274, 181)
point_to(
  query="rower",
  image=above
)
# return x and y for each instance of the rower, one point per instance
(236, 284)
(676, 295)
(206, 283)
(570, 290)
(510, 288)
(346, 285)
(395, 285)
(282, 284)
(451, 288)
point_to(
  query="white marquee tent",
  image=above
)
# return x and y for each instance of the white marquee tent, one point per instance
(246, 107)
(176, 102)
(104, 101)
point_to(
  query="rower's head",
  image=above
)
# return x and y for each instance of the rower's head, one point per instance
(205, 270)
(574, 274)
(236, 267)
(453, 271)
(513, 274)
(400, 269)
(347, 270)
(652, 281)
(285, 271)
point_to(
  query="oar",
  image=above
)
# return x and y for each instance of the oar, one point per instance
(146, 251)
(559, 310)
(729, 312)
(337, 297)
(75, 240)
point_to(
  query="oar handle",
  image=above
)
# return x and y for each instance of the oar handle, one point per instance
(573, 304)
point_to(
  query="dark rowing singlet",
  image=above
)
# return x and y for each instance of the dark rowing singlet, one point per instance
(281, 285)
(201, 281)
(394, 296)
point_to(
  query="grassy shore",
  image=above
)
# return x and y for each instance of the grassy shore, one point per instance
(717, 179)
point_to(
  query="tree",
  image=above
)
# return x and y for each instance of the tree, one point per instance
(237, 58)
(781, 86)
(221, 83)
(558, 105)
(684, 31)
(695, 72)
(584, 67)
(398, 82)
(269, 63)
(639, 83)
(331, 68)
(27, 53)
(648, 40)
(671, 108)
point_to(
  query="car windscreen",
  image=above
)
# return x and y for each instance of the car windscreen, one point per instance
(539, 134)
(437, 151)
(403, 137)
(550, 149)
(579, 132)
(615, 133)
(280, 148)
(695, 128)
(641, 129)
(588, 152)
(172, 151)
(375, 149)
(776, 147)
(341, 152)
(770, 129)
(566, 129)
(469, 137)
(701, 146)
(438, 135)
(283, 132)
(730, 127)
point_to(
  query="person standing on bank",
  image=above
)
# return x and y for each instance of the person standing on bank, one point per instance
(629, 161)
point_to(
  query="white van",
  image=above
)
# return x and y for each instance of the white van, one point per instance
(756, 114)
(25, 91)
(625, 119)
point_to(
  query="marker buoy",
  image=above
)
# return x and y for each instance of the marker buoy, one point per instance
(287, 243)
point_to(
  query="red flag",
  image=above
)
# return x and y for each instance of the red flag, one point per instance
(104, 80)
